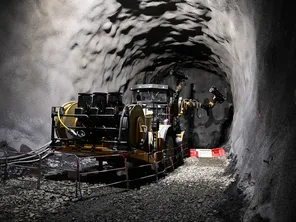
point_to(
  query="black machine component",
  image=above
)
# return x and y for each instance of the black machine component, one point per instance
(84, 100)
(84, 103)
(115, 99)
(99, 119)
(99, 102)
(114, 103)
(155, 98)
(218, 95)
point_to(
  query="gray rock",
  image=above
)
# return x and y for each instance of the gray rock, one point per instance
(152, 202)
(25, 149)
(107, 26)
(7, 148)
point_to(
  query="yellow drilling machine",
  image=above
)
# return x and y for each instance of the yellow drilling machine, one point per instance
(145, 131)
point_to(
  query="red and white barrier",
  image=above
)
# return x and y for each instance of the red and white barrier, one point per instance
(207, 153)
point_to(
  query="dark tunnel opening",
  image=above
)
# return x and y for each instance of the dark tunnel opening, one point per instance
(53, 50)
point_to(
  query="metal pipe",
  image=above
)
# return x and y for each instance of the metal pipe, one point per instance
(156, 170)
(39, 173)
(78, 181)
(126, 173)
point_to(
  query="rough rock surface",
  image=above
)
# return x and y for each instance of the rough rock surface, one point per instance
(6, 150)
(100, 45)
(25, 149)
(196, 191)
(53, 49)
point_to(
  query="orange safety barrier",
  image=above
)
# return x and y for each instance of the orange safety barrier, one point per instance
(208, 153)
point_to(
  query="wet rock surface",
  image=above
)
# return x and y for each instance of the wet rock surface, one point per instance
(199, 190)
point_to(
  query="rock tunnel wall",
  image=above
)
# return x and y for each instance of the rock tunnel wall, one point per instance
(53, 49)
(267, 162)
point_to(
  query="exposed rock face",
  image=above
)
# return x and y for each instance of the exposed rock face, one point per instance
(25, 149)
(53, 49)
(6, 150)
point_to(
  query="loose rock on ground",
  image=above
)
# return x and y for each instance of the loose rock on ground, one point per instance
(195, 191)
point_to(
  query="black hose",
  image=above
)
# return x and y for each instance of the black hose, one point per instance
(31, 161)
(37, 154)
(28, 161)
(45, 146)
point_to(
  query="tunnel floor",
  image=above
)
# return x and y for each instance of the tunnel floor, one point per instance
(199, 190)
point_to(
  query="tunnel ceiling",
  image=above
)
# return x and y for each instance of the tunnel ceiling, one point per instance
(51, 50)
(56, 49)
(160, 33)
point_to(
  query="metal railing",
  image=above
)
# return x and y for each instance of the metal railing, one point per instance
(167, 163)
(31, 160)
(22, 165)
(4, 172)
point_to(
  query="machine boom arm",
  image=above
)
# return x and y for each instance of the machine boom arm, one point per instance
(186, 105)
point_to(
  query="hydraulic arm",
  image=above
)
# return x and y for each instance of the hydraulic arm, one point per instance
(186, 105)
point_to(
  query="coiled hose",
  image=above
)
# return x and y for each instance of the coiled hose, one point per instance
(67, 106)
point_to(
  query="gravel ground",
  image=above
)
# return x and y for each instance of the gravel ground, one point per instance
(199, 190)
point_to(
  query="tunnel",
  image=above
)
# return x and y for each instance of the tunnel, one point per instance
(51, 50)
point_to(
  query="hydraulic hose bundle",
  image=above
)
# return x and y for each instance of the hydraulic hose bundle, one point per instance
(30, 157)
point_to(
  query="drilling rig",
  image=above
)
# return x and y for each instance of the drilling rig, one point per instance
(146, 131)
